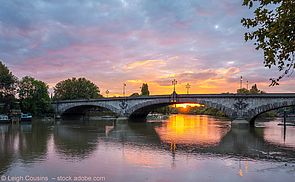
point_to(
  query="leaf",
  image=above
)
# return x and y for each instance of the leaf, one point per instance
(272, 29)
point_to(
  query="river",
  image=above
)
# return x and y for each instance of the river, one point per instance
(181, 148)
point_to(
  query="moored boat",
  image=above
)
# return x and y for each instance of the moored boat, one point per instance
(26, 117)
(4, 118)
(156, 116)
(287, 124)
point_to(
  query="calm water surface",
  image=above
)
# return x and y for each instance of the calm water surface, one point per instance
(182, 148)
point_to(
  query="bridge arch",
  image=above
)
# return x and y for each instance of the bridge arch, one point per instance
(141, 110)
(255, 112)
(66, 107)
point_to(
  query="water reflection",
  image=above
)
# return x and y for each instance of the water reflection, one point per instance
(171, 150)
(24, 142)
(189, 129)
(74, 140)
(276, 134)
(243, 167)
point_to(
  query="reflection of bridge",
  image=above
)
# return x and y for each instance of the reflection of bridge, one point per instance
(236, 142)
(81, 141)
(235, 106)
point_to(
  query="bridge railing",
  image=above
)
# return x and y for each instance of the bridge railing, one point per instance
(265, 95)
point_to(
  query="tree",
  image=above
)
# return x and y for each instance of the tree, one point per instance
(274, 32)
(134, 95)
(7, 87)
(242, 91)
(145, 89)
(253, 90)
(7, 82)
(74, 88)
(33, 95)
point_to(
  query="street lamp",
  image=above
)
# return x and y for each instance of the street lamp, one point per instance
(188, 86)
(247, 85)
(174, 82)
(107, 92)
(124, 87)
(241, 82)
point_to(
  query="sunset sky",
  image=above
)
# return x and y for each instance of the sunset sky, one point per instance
(115, 41)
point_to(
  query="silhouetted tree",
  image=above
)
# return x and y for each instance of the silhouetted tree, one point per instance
(134, 95)
(243, 91)
(7, 87)
(33, 96)
(74, 88)
(145, 89)
(253, 90)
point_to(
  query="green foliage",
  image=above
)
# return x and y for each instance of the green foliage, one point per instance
(242, 91)
(74, 88)
(7, 83)
(269, 114)
(163, 110)
(203, 110)
(253, 90)
(273, 29)
(207, 111)
(145, 89)
(7, 88)
(33, 95)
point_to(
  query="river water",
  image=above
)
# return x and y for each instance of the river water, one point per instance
(181, 148)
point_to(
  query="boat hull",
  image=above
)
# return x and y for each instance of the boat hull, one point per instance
(4, 121)
(26, 120)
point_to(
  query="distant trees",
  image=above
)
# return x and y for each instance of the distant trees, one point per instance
(163, 110)
(253, 90)
(145, 89)
(242, 91)
(33, 96)
(134, 95)
(195, 110)
(74, 88)
(204, 110)
(7, 82)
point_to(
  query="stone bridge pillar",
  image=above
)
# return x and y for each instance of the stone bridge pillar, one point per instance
(241, 119)
(57, 113)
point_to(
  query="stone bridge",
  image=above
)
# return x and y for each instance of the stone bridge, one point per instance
(238, 107)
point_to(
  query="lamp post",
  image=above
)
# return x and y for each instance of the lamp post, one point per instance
(174, 82)
(188, 86)
(124, 87)
(247, 85)
(241, 82)
(107, 92)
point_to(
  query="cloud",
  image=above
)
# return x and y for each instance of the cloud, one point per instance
(112, 41)
(144, 63)
(200, 76)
